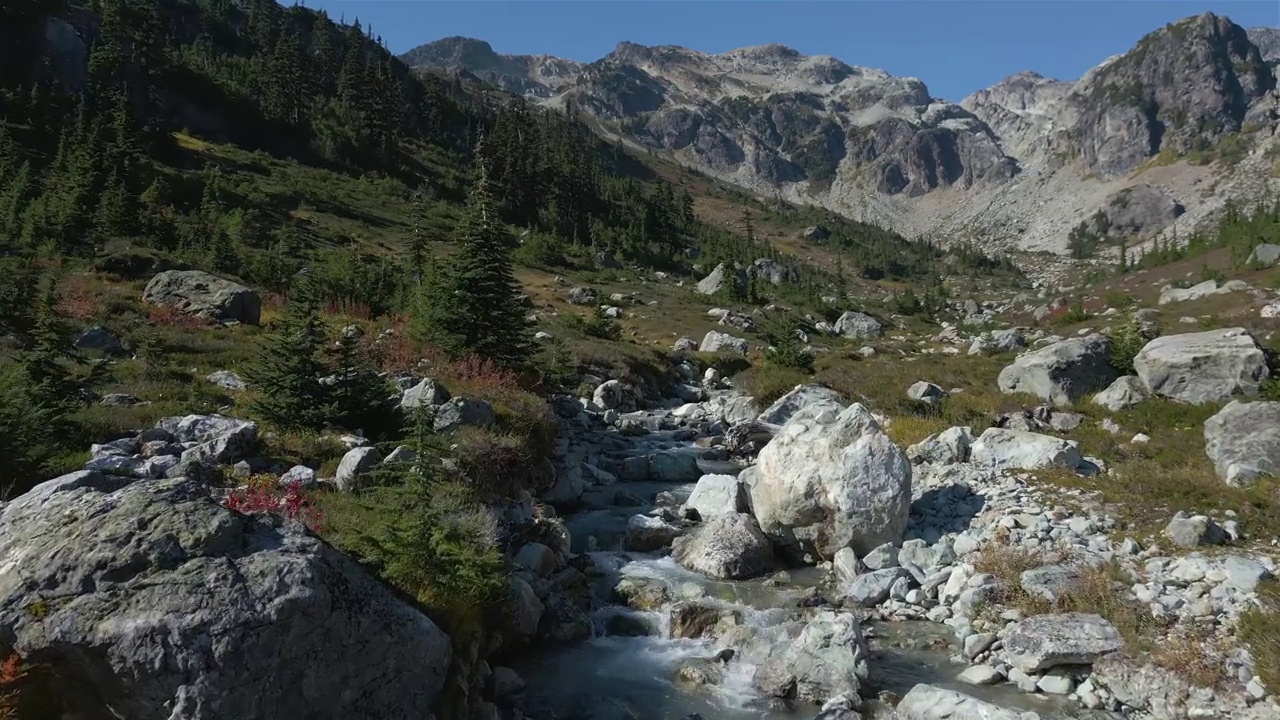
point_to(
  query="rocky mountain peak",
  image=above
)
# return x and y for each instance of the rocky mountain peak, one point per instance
(1268, 41)
(1180, 88)
(876, 147)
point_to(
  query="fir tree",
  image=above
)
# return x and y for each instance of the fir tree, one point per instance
(473, 307)
(359, 399)
(287, 369)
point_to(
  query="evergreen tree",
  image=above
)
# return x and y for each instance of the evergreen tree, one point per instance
(359, 399)
(474, 307)
(287, 369)
(417, 247)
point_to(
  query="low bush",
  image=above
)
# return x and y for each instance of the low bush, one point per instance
(11, 673)
(262, 494)
(768, 382)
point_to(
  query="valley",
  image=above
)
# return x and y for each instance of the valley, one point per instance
(672, 386)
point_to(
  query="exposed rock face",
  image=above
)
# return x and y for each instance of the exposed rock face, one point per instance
(828, 657)
(729, 547)
(879, 148)
(1183, 86)
(1243, 441)
(830, 481)
(200, 293)
(1202, 367)
(164, 604)
(1063, 372)
(720, 279)
(1136, 211)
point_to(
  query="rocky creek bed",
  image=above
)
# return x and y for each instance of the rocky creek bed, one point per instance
(706, 558)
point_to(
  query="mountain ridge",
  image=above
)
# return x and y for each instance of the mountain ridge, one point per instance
(1020, 163)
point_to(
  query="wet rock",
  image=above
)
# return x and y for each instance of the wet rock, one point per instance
(828, 657)
(1062, 373)
(693, 618)
(642, 593)
(650, 534)
(981, 675)
(881, 557)
(923, 560)
(538, 558)
(871, 589)
(1243, 441)
(846, 565)
(829, 481)
(1202, 367)
(841, 707)
(1042, 642)
(506, 682)
(728, 547)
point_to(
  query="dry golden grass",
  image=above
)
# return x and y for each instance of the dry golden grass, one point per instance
(1100, 589)
(1259, 629)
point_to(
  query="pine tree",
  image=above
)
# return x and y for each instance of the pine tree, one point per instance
(287, 369)
(417, 248)
(359, 399)
(473, 307)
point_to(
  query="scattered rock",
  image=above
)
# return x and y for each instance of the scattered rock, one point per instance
(1202, 367)
(199, 293)
(1243, 441)
(355, 463)
(729, 547)
(830, 481)
(584, 296)
(227, 380)
(464, 412)
(827, 658)
(857, 325)
(1124, 393)
(1042, 642)
(1014, 449)
(1063, 372)
(800, 397)
(717, 341)
(927, 702)
(926, 393)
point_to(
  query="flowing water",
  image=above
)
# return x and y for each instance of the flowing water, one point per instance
(635, 676)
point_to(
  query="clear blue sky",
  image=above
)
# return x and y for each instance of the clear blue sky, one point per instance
(955, 46)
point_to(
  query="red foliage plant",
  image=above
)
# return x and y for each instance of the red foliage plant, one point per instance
(173, 317)
(77, 299)
(290, 503)
(11, 671)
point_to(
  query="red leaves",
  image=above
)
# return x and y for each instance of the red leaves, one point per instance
(11, 671)
(290, 503)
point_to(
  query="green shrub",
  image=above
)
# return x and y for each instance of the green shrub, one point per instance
(1126, 342)
(769, 382)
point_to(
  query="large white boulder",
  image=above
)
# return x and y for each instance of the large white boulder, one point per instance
(831, 480)
(1063, 372)
(716, 495)
(729, 547)
(1202, 367)
(1243, 441)
(1005, 449)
